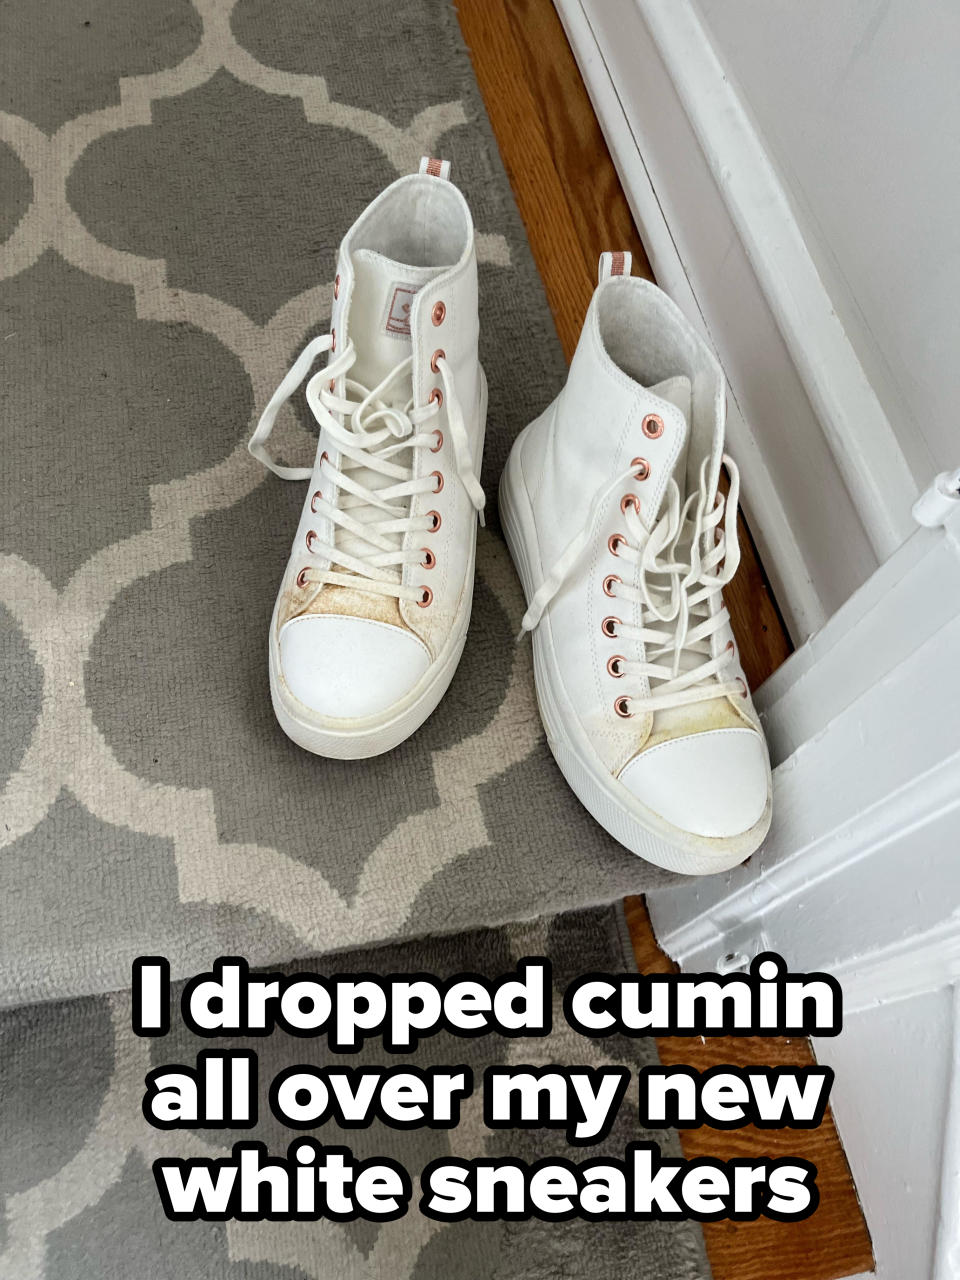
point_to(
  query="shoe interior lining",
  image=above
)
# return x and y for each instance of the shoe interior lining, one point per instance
(421, 224)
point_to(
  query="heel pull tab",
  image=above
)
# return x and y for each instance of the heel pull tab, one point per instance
(435, 168)
(619, 263)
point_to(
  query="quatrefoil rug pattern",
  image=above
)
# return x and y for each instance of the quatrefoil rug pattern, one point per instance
(174, 181)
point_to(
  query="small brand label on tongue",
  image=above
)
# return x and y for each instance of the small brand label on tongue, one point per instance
(398, 310)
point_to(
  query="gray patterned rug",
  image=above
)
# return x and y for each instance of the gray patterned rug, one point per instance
(76, 1152)
(174, 179)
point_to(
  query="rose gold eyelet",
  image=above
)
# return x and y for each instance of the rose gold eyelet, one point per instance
(609, 627)
(630, 500)
(302, 577)
(436, 395)
(425, 598)
(435, 448)
(439, 485)
(652, 426)
(324, 457)
(436, 521)
(313, 501)
(613, 542)
(622, 707)
(729, 648)
(333, 385)
(429, 560)
(613, 665)
(743, 687)
(336, 287)
(438, 313)
(333, 339)
(608, 584)
(643, 468)
(311, 539)
(439, 354)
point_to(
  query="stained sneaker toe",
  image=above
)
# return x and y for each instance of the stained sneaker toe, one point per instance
(711, 784)
(347, 668)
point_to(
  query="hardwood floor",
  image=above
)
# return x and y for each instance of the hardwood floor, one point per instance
(573, 207)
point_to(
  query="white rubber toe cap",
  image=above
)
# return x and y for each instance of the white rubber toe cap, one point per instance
(349, 668)
(710, 784)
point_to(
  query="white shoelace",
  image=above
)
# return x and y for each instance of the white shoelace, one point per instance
(370, 434)
(676, 594)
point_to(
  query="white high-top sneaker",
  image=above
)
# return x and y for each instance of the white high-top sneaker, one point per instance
(374, 604)
(640, 688)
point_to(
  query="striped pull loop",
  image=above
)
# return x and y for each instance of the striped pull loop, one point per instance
(619, 263)
(435, 168)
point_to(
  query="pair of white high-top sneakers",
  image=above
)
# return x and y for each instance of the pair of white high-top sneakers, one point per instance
(611, 508)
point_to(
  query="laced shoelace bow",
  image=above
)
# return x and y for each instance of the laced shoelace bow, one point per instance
(676, 595)
(369, 434)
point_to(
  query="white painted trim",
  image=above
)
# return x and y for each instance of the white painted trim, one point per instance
(907, 599)
(947, 1258)
(890, 1098)
(907, 968)
(857, 430)
(790, 577)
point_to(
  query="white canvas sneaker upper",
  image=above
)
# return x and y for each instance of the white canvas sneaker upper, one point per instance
(379, 580)
(634, 542)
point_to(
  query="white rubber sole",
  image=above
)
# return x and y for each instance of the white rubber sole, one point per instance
(635, 826)
(373, 735)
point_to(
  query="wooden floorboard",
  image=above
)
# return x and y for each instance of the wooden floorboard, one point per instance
(573, 207)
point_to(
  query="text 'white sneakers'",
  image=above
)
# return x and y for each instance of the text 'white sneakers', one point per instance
(640, 687)
(373, 608)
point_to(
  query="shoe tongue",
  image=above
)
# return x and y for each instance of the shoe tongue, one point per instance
(677, 391)
(379, 323)
(379, 327)
(700, 717)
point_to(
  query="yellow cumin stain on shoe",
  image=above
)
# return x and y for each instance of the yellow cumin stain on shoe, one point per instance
(342, 601)
(701, 717)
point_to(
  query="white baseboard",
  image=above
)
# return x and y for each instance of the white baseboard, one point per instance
(826, 488)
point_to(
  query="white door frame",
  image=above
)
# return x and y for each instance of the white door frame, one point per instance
(860, 875)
